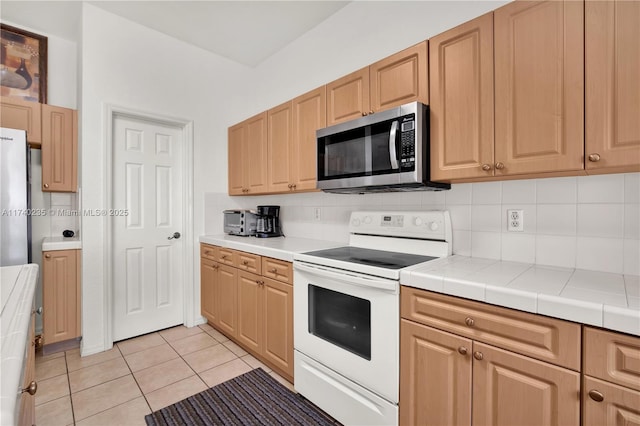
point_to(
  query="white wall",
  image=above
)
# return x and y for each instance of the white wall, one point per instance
(128, 65)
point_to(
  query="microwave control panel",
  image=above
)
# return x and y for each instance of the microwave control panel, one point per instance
(408, 143)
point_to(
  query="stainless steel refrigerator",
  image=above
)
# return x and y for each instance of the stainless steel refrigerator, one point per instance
(15, 191)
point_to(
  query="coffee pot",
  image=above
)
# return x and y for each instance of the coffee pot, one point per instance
(268, 221)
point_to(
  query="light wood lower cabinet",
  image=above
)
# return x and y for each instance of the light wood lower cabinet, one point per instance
(61, 295)
(453, 379)
(27, 415)
(435, 377)
(251, 309)
(611, 383)
(265, 319)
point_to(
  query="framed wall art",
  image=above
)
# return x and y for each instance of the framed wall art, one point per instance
(23, 64)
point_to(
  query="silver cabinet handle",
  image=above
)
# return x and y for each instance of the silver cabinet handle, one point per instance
(175, 235)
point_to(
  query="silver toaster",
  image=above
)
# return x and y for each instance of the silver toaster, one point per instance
(240, 222)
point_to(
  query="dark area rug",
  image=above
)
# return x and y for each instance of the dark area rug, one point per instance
(254, 398)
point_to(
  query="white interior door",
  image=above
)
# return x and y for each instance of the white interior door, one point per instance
(147, 258)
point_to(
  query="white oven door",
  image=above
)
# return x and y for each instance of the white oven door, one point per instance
(349, 322)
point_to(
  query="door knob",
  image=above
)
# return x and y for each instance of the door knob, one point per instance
(175, 235)
(486, 167)
(499, 166)
(478, 355)
(594, 158)
(596, 396)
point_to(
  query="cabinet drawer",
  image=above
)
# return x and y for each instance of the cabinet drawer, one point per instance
(547, 339)
(208, 251)
(619, 405)
(248, 262)
(613, 357)
(277, 269)
(225, 256)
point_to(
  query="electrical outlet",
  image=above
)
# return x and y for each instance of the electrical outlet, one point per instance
(316, 214)
(515, 220)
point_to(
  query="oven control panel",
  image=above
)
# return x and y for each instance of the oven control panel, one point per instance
(431, 225)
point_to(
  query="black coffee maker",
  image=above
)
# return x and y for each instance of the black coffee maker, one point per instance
(268, 221)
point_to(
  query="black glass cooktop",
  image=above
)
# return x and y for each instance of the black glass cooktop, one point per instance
(379, 258)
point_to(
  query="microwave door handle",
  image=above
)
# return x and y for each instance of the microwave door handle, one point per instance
(393, 156)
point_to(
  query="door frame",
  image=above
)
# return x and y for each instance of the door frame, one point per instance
(111, 111)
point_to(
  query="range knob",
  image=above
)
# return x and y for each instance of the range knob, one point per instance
(355, 221)
(434, 226)
(417, 221)
(367, 220)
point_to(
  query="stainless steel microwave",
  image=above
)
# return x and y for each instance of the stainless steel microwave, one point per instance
(386, 151)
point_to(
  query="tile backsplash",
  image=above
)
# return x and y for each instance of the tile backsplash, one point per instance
(586, 222)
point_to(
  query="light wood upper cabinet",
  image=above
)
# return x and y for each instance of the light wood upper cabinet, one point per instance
(435, 376)
(237, 148)
(309, 115)
(348, 97)
(400, 78)
(539, 87)
(280, 152)
(59, 149)
(247, 160)
(510, 389)
(612, 96)
(61, 295)
(395, 80)
(23, 115)
(461, 101)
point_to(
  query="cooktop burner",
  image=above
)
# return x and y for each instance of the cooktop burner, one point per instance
(364, 256)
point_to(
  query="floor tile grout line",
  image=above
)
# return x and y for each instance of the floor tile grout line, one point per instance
(73, 413)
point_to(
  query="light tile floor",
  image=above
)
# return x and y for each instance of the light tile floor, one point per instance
(122, 385)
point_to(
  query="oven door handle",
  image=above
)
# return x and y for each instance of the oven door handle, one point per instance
(351, 278)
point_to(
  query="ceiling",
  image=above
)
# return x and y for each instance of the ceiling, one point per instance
(246, 32)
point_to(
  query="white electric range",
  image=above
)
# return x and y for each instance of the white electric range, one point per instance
(347, 312)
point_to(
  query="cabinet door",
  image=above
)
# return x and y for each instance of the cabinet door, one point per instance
(277, 322)
(208, 290)
(309, 115)
(227, 299)
(612, 52)
(280, 148)
(400, 78)
(237, 154)
(510, 389)
(22, 115)
(539, 87)
(61, 295)
(59, 149)
(619, 405)
(256, 161)
(250, 311)
(348, 97)
(435, 376)
(461, 105)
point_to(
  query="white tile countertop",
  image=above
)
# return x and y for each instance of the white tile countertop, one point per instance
(596, 298)
(61, 243)
(281, 248)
